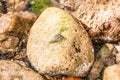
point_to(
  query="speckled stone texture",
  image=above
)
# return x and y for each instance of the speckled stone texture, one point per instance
(57, 45)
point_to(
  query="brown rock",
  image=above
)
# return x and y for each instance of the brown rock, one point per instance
(70, 4)
(12, 71)
(14, 31)
(17, 5)
(101, 18)
(13, 26)
(16, 22)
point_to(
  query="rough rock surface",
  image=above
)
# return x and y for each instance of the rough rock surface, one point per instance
(57, 45)
(70, 4)
(13, 27)
(101, 18)
(12, 71)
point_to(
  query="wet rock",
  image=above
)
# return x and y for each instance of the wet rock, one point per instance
(57, 45)
(12, 71)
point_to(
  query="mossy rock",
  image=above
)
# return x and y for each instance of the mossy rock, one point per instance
(57, 45)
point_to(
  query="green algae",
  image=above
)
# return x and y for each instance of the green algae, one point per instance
(37, 6)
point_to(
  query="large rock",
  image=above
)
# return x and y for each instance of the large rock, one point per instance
(57, 45)
(101, 17)
(12, 71)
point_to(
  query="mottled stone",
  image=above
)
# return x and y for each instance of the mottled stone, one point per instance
(57, 45)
